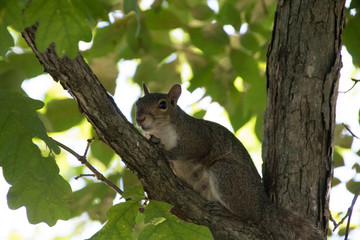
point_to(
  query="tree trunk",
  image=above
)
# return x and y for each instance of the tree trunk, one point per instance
(302, 85)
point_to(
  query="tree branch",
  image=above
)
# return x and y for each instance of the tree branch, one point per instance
(355, 82)
(347, 128)
(84, 161)
(140, 155)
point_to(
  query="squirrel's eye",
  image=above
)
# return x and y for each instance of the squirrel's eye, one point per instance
(162, 105)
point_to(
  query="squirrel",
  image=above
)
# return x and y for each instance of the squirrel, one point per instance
(210, 159)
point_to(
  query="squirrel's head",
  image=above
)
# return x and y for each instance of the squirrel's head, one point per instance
(154, 110)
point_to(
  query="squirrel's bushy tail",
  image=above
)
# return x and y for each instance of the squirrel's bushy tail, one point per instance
(286, 225)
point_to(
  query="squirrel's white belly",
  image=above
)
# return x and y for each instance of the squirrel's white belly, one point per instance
(199, 178)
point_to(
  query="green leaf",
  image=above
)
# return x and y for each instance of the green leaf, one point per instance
(13, 14)
(244, 65)
(59, 22)
(134, 192)
(17, 68)
(107, 39)
(157, 209)
(132, 186)
(106, 69)
(44, 198)
(211, 39)
(238, 114)
(36, 183)
(150, 69)
(6, 40)
(199, 114)
(352, 185)
(341, 139)
(18, 118)
(121, 221)
(62, 114)
(202, 12)
(335, 182)
(163, 19)
(352, 38)
(131, 5)
(171, 227)
(356, 166)
(343, 229)
(249, 41)
(102, 152)
(338, 159)
(228, 14)
(130, 180)
(95, 198)
(94, 10)
(137, 35)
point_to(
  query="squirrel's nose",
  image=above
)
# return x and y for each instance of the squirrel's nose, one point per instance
(140, 120)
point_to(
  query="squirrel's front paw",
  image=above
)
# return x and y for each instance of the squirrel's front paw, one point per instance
(154, 139)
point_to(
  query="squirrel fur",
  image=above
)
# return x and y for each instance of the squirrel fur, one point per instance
(215, 164)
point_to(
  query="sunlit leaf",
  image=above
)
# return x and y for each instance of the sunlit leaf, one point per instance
(95, 198)
(353, 185)
(335, 182)
(94, 10)
(6, 40)
(102, 152)
(44, 198)
(17, 68)
(18, 119)
(171, 227)
(137, 35)
(163, 19)
(121, 221)
(211, 39)
(36, 183)
(59, 22)
(249, 41)
(351, 38)
(342, 139)
(356, 166)
(62, 114)
(106, 69)
(13, 13)
(338, 159)
(228, 14)
(202, 12)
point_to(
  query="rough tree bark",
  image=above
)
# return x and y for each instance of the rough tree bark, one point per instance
(287, 101)
(302, 84)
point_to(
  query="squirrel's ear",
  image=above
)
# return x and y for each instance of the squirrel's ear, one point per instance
(175, 93)
(146, 90)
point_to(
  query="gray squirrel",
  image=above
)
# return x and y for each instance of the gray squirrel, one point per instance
(215, 164)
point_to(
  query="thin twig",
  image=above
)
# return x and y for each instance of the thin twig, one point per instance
(355, 82)
(348, 215)
(84, 175)
(84, 161)
(347, 128)
(350, 210)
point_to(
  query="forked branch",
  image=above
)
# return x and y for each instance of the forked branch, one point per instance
(84, 161)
